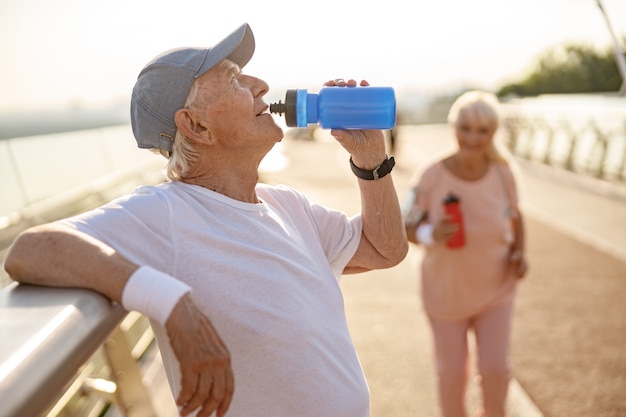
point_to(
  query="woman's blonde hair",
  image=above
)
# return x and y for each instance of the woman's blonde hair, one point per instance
(482, 106)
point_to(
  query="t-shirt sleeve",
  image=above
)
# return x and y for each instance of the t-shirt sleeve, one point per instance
(338, 235)
(136, 225)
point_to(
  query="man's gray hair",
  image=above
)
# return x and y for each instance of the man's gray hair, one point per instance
(184, 154)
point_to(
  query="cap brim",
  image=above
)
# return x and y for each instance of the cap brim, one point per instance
(237, 47)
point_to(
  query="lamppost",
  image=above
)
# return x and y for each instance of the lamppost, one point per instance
(619, 54)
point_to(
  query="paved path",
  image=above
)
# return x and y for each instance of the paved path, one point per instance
(574, 235)
(570, 324)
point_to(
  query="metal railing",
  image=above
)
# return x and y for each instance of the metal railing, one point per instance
(48, 177)
(582, 134)
(70, 352)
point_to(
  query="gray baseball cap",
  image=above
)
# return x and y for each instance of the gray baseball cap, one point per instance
(164, 83)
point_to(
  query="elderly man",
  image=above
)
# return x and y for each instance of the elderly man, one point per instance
(240, 279)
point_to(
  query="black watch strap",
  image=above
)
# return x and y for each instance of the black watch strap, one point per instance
(382, 170)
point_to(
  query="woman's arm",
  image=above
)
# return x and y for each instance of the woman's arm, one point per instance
(517, 254)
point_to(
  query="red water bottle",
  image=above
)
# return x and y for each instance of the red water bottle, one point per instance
(452, 207)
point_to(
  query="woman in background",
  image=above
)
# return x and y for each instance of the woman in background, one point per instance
(469, 287)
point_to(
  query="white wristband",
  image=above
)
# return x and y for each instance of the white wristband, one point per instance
(153, 293)
(424, 234)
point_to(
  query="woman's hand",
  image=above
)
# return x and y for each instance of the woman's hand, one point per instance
(445, 229)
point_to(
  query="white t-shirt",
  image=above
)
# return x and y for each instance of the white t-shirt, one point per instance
(266, 275)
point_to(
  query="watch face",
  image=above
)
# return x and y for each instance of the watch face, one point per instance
(385, 168)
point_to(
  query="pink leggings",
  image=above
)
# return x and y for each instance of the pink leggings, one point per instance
(492, 328)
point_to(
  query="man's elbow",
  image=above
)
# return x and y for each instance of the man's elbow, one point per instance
(401, 253)
(395, 255)
(15, 259)
(22, 256)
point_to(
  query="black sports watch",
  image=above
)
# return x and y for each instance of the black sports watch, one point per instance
(382, 170)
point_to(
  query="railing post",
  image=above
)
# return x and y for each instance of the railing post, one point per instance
(569, 162)
(622, 166)
(603, 141)
(131, 395)
(513, 127)
(547, 156)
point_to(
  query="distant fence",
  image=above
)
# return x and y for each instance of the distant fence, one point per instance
(36, 168)
(582, 134)
(48, 177)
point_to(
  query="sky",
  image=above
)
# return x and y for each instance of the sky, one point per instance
(57, 53)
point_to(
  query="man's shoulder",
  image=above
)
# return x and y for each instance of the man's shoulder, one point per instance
(281, 195)
(278, 190)
(161, 190)
(150, 196)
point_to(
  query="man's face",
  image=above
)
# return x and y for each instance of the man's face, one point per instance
(231, 105)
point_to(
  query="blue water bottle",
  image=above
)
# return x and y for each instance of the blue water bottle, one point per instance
(363, 107)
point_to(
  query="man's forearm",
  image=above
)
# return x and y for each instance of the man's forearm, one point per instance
(382, 219)
(55, 255)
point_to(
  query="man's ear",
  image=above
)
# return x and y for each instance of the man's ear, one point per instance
(190, 126)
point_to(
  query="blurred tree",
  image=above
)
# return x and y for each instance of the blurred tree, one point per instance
(569, 69)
